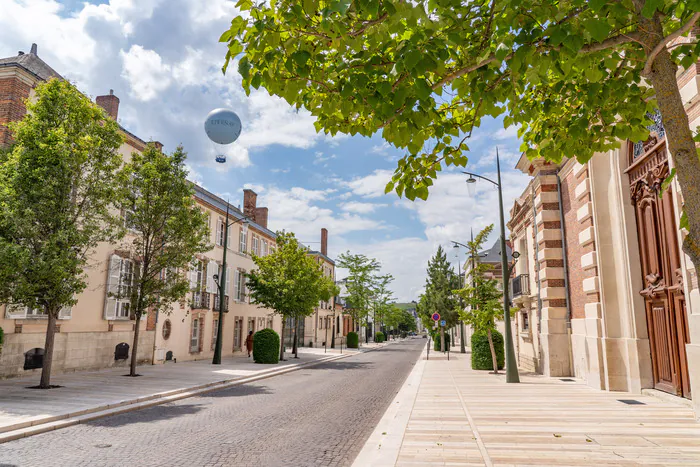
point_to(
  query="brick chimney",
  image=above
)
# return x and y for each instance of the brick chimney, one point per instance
(261, 216)
(33, 50)
(158, 145)
(324, 242)
(110, 103)
(250, 201)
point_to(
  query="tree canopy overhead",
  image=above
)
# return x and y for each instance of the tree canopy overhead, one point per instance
(576, 76)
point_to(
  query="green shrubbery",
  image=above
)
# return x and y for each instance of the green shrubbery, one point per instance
(379, 337)
(436, 341)
(481, 352)
(353, 340)
(266, 346)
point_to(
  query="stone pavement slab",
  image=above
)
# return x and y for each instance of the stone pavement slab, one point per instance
(464, 417)
(89, 392)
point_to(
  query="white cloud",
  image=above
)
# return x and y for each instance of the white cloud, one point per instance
(361, 208)
(370, 186)
(507, 157)
(145, 72)
(507, 133)
(321, 158)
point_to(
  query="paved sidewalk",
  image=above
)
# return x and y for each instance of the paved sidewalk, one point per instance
(26, 411)
(448, 414)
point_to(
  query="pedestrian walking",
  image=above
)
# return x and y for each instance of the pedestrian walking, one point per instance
(249, 342)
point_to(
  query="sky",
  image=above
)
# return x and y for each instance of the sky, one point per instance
(163, 60)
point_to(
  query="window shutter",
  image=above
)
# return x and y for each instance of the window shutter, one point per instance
(212, 267)
(228, 238)
(15, 312)
(236, 283)
(65, 313)
(228, 280)
(219, 239)
(245, 287)
(193, 274)
(112, 289)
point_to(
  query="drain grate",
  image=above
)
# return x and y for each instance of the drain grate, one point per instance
(631, 402)
(567, 380)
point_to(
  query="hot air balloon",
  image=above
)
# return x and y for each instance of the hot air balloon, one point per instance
(223, 128)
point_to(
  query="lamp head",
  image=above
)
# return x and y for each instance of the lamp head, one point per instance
(516, 255)
(216, 277)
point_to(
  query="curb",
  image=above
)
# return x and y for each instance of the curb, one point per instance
(30, 428)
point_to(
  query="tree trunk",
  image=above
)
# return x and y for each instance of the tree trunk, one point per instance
(135, 346)
(45, 382)
(296, 337)
(442, 339)
(679, 137)
(284, 319)
(494, 359)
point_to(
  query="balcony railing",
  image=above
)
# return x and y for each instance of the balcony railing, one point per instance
(216, 303)
(200, 301)
(521, 285)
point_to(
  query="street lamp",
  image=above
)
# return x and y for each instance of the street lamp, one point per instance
(511, 368)
(220, 281)
(456, 246)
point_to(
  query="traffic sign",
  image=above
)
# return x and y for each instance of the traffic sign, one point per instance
(436, 316)
(442, 323)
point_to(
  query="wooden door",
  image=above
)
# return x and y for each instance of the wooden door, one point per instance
(667, 321)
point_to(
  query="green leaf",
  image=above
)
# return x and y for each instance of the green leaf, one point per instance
(598, 28)
(423, 89)
(596, 5)
(684, 224)
(411, 59)
(666, 183)
(650, 7)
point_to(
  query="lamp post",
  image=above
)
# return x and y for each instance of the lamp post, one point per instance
(511, 368)
(456, 246)
(221, 284)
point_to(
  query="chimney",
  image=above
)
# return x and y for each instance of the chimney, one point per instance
(261, 216)
(324, 242)
(33, 50)
(250, 200)
(158, 145)
(110, 103)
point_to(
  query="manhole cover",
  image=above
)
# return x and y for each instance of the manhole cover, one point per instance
(631, 402)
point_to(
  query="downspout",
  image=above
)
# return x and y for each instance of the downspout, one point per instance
(537, 263)
(566, 274)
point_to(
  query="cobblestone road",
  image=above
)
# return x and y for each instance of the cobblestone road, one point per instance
(317, 416)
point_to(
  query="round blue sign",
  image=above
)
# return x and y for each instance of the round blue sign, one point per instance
(442, 323)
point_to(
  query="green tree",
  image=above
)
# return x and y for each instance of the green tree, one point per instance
(57, 185)
(360, 284)
(382, 298)
(576, 76)
(166, 230)
(438, 296)
(482, 295)
(289, 281)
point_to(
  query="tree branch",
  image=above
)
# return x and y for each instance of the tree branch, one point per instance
(662, 43)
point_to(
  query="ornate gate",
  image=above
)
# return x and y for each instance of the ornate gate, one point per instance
(667, 321)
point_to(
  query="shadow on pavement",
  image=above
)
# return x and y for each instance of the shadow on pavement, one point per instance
(341, 365)
(149, 415)
(248, 389)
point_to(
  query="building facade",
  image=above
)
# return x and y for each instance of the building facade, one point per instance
(604, 292)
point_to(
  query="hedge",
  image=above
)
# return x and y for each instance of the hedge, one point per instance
(481, 352)
(266, 346)
(353, 340)
(436, 341)
(379, 337)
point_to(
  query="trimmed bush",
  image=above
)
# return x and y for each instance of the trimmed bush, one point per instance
(353, 340)
(379, 337)
(481, 352)
(436, 341)
(266, 346)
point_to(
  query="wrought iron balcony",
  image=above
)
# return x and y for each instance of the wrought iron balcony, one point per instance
(520, 285)
(200, 301)
(216, 303)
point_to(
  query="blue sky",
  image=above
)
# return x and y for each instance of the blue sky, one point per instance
(163, 61)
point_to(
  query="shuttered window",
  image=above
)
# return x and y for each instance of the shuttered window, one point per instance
(119, 282)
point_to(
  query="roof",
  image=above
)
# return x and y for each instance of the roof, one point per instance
(233, 211)
(318, 253)
(493, 254)
(31, 63)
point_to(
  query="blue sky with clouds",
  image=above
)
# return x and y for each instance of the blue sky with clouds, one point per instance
(163, 61)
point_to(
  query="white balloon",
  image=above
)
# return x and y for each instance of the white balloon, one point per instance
(222, 126)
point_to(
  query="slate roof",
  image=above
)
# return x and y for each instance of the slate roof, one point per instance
(318, 253)
(31, 63)
(493, 254)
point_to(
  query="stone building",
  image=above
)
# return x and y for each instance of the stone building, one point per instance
(602, 289)
(91, 333)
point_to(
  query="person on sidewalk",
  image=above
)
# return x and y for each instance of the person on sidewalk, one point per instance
(249, 342)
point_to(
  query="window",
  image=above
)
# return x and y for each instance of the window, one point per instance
(256, 245)
(167, 329)
(194, 337)
(242, 240)
(525, 320)
(239, 288)
(237, 333)
(264, 248)
(119, 283)
(214, 333)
